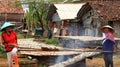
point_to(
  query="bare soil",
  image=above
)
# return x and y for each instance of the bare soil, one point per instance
(95, 62)
(99, 62)
(3, 62)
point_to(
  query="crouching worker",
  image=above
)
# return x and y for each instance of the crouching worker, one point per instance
(9, 40)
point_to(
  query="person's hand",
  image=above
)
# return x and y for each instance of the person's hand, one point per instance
(16, 46)
(12, 45)
(115, 51)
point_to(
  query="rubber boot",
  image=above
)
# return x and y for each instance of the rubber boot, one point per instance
(16, 61)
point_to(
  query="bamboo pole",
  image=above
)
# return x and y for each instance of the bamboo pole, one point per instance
(84, 38)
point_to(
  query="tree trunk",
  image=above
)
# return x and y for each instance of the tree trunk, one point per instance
(75, 59)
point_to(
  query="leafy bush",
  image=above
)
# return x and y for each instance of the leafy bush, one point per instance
(2, 49)
(42, 65)
(2, 52)
(20, 36)
(53, 41)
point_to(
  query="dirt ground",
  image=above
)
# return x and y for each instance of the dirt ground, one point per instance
(95, 62)
(3, 62)
(99, 62)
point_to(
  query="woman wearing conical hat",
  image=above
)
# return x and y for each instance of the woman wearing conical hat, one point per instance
(9, 40)
(108, 45)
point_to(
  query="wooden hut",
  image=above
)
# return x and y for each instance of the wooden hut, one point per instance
(95, 14)
(62, 17)
(11, 11)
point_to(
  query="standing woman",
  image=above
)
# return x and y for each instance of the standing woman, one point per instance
(9, 40)
(108, 45)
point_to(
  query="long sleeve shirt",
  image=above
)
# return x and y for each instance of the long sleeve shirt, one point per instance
(108, 43)
(9, 39)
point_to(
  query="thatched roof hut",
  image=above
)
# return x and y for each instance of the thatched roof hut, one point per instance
(11, 11)
(109, 10)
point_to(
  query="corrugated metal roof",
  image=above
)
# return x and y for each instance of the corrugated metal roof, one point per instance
(68, 11)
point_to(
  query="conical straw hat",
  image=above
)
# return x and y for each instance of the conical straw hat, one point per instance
(6, 24)
(108, 26)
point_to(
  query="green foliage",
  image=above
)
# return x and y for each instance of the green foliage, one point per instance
(20, 36)
(53, 41)
(42, 65)
(17, 3)
(2, 49)
(37, 13)
(3, 55)
(27, 17)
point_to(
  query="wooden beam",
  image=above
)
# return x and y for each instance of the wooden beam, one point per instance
(62, 51)
(75, 59)
(49, 53)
